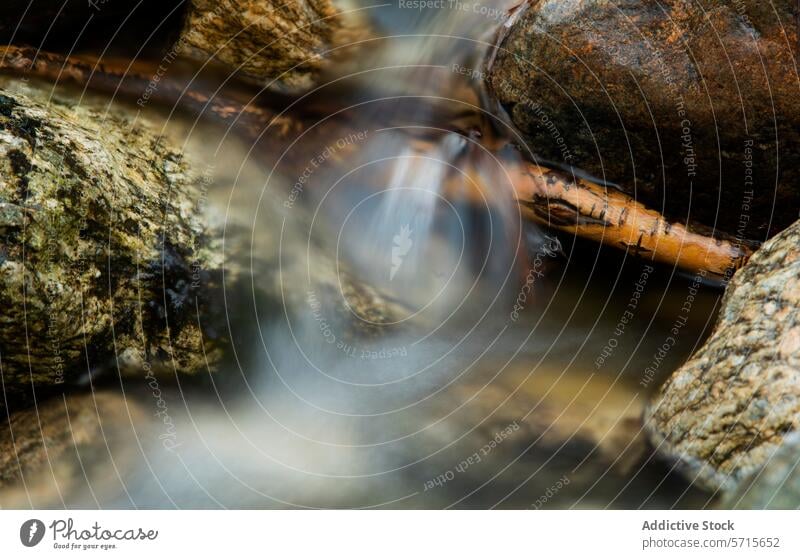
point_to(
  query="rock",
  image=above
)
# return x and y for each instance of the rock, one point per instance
(690, 106)
(266, 41)
(108, 251)
(775, 486)
(269, 42)
(724, 413)
(67, 446)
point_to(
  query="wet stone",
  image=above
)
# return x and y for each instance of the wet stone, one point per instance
(690, 106)
(723, 414)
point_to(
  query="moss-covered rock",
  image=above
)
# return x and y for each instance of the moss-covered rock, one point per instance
(108, 258)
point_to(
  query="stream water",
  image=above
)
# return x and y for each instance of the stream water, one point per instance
(487, 362)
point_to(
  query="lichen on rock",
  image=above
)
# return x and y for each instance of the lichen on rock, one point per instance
(108, 258)
(723, 414)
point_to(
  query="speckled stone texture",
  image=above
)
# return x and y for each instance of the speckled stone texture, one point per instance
(775, 486)
(107, 257)
(279, 43)
(724, 413)
(691, 106)
(69, 450)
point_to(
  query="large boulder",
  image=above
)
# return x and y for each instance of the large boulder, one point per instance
(692, 106)
(109, 253)
(725, 412)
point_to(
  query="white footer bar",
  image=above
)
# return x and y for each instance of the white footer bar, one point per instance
(399, 534)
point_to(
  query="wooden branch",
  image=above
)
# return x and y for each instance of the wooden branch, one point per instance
(585, 209)
(548, 197)
(138, 86)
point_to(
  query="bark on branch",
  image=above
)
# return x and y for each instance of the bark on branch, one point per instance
(549, 197)
(585, 209)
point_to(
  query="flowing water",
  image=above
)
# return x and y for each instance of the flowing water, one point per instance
(403, 338)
